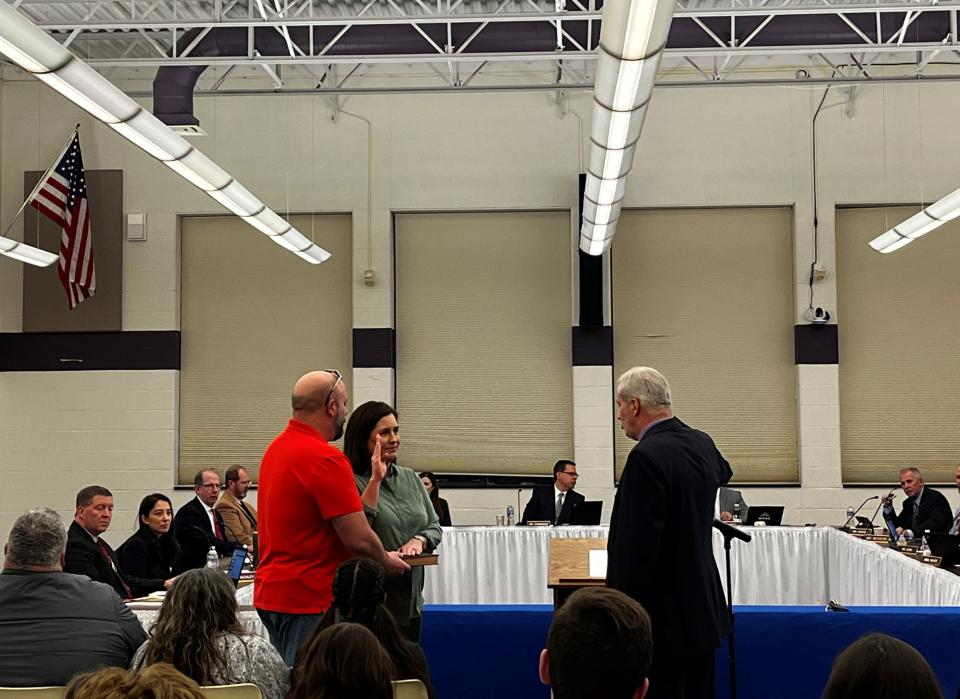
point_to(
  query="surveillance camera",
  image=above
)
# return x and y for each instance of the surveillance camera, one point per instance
(817, 315)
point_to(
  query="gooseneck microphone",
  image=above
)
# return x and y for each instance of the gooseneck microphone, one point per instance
(880, 504)
(853, 517)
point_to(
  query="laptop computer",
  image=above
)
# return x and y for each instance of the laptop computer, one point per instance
(770, 515)
(236, 564)
(586, 513)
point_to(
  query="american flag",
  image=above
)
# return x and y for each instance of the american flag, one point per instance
(62, 197)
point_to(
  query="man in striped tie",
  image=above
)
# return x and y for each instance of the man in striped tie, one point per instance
(198, 526)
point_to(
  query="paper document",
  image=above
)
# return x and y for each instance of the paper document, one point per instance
(598, 563)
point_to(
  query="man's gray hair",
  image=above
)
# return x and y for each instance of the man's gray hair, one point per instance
(911, 469)
(646, 385)
(37, 538)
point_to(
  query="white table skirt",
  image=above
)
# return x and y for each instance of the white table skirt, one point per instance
(147, 613)
(781, 566)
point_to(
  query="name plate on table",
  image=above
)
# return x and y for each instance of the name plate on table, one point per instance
(539, 523)
(877, 538)
(929, 560)
(424, 559)
(909, 549)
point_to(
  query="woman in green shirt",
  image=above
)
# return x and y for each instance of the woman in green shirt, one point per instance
(395, 502)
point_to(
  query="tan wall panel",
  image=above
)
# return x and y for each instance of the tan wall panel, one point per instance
(255, 317)
(705, 296)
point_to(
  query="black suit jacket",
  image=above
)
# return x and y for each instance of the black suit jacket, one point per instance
(195, 537)
(660, 550)
(934, 514)
(543, 505)
(85, 558)
(145, 555)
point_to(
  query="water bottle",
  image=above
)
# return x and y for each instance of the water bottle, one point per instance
(736, 513)
(902, 541)
(510, 513)
(850, 514)
(924, 546)
(213, 560)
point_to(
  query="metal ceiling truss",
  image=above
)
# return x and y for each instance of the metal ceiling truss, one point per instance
(451, 45)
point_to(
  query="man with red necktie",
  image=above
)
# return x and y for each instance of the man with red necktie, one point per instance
(88, 554)
(198, 526)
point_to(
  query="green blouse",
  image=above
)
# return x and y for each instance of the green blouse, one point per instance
(403, 511)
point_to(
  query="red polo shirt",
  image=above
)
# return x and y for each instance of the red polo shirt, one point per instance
(304, 483)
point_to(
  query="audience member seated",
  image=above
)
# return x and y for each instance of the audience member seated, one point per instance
(440, 505)
(198, 526)
(53, 624)
(151, 551)
(344, 661)
(160, 681)
(955, 527)
(198, 633)
(554, 502)
(239, 518)
(878, 666)
(358, 597)
(88, 554)
(600, 646)
(923, 509)
(727, 500)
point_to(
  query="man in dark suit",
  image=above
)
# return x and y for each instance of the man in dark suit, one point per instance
(198, 526)
(554, 502)
(88, 554)
(727, 500)
(660, 550)
(923, 508)
(53, 624)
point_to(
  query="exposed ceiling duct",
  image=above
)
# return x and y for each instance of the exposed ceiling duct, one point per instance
(174, 85)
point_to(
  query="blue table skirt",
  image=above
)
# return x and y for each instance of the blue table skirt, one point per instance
(488, 651)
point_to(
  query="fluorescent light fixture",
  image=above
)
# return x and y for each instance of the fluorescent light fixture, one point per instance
(947, 208)
(616, 129)
(600, 215)
(153, 136)
(292, 240)
(624, 85)
(86, 88)
(200, 171)
(889, 241)
(27, 45)
(635, 29)
(611, 164)
(26, 253)
(604, 191)
(595, 238)
(238, 199)
(314, 254)
(268, 222)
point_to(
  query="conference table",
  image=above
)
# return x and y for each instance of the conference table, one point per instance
(783, 566)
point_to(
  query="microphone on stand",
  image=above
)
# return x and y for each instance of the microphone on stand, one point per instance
(853, 517)
(890, 496)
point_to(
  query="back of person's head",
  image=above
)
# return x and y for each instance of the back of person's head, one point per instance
(878, 666)
(37, 539)
(200, 606)
(160, 681)
(600, 645)
(343, 661)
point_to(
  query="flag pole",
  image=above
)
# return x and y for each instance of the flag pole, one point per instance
(43, 178)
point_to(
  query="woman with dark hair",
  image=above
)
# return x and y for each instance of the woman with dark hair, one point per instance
(358, 596)
(198, 633)
(342, 662)
(149, 553)
(878, 666)
(395, 503)
(440, 505)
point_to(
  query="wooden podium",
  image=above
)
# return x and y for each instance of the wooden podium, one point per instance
(568, 567)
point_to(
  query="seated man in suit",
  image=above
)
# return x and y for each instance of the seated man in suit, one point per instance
(924, 508)
(198, 526)
(239, 518)
(53, 624)
(955, 527)
(554, 503)
(727, 499)
(88, 554)
(600, 645)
